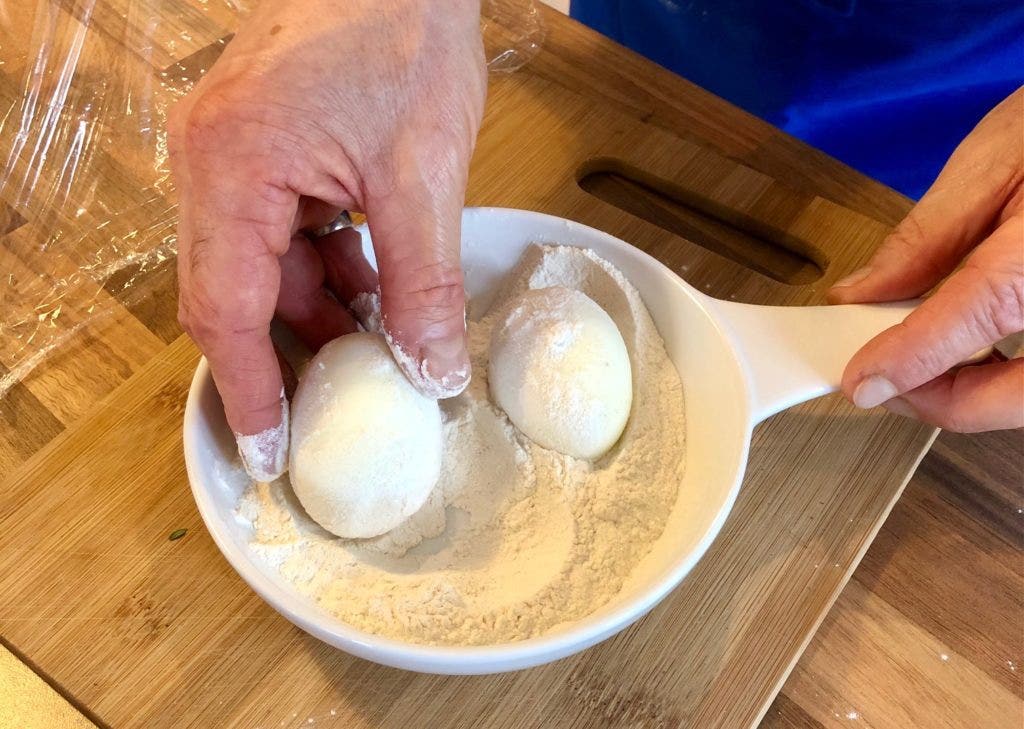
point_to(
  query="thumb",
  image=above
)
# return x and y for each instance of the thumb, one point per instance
(975, 308)
(416, 228)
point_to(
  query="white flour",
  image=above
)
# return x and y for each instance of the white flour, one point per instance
(515, 539)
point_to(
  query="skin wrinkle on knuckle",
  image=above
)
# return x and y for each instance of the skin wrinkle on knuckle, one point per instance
(216, 313)
(905, 247)
(431, 300)
(991, 289)
(918, 366)
(1002, 311)
(208, 124)
(439, 298)
(198, 256)
(229, 128)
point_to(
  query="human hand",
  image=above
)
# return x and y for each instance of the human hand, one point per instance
(974, 214)
(315, 107)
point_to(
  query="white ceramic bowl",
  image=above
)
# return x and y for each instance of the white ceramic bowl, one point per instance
(738, 364)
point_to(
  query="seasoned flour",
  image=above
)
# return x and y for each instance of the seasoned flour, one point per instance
(515, 539)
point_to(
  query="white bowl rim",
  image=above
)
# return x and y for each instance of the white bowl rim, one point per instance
(461, 660)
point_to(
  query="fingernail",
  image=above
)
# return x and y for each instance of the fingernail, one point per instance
(441, 370)
(901, 407)
(265, 454)
(854, 278)
(873, 391)
(447, 362)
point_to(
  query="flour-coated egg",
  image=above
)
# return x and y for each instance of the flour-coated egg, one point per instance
(365, 445)
(560, 370)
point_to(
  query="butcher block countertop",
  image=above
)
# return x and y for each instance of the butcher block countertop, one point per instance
(133, 628)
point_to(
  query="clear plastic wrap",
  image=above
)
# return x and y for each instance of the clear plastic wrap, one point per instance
(513, 33)
(87, 209)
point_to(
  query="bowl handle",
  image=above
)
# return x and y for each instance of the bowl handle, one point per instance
(796, 353)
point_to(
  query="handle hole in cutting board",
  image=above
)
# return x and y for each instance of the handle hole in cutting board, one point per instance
(695, 216)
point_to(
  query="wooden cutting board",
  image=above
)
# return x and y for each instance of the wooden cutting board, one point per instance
(147, 631)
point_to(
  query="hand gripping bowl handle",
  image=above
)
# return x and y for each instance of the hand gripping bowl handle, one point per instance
(797, 353)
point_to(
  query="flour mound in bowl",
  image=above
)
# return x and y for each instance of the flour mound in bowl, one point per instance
(515, 540)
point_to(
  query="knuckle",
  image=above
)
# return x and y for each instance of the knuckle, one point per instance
(230, 115)
(433, 292)
(441, 297)
(436, 284)
(921, 364)
(906, 245)
(198, 319)
(1000, 309)
(206, 124)
(198, 257)
(213, 314)
(905, 239)
(184, 320)
(383, 179)
(1008, 306)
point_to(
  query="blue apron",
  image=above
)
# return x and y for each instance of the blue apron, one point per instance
(890, 88)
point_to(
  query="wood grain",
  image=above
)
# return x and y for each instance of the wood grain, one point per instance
(101, 598)
(146, 631)
(930, 630)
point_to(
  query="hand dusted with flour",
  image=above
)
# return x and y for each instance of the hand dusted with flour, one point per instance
(315, 107)
(515, 539)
